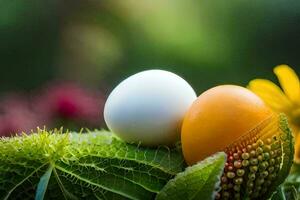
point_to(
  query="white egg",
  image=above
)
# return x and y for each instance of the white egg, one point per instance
(148, 107)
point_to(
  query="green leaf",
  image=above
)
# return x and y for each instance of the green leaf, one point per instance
(197, 182)
(96, 165)
(43, 184)
(291, 186)
(279, 194)
(285, 192)
(291, 193)
(287, 151)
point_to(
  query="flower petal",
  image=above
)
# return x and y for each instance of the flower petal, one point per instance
(271, 94)
(289, 82)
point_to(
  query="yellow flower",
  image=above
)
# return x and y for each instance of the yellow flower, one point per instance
(283, 100)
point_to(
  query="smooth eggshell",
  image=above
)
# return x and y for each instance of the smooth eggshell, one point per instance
(149, 107)
(219, 117)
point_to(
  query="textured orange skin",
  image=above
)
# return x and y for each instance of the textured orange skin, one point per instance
(218, 118)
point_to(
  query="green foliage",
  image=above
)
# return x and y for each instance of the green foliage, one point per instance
(287, 184)
(43, 184)
(96, 165)
(197, 182)
(290, 189)
(285, 192)
(287, 148)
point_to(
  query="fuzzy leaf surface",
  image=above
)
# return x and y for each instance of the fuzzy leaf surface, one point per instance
(96, 165)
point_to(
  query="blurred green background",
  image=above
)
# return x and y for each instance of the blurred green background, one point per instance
(98, 43)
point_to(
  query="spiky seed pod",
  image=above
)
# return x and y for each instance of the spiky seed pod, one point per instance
(264, 161)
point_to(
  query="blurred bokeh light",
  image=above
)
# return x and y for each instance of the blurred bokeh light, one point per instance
(60, 59)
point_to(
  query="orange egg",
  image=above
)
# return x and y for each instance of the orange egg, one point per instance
(219, 117)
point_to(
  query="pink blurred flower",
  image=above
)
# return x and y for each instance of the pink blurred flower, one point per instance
(60, 104)
(72, 103)
(16, 116)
